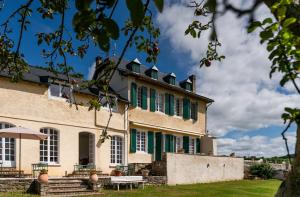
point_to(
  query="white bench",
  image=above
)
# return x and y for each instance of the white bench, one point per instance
(127, 180)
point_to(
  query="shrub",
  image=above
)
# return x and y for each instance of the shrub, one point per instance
(263, 170)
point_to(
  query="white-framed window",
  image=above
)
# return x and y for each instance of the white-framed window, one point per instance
(139, 96)
(116, 150)
(192, 146)
(7, 147)
(179, 143)
(49, 148)
(113, 103)
(141, 141)
(60, 91)
(160, 102)
(178, 107)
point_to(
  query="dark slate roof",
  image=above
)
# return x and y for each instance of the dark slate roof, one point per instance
(41, 76)
(123, 69)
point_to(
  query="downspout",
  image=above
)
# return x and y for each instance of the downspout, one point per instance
(209, 104)
(126, 126)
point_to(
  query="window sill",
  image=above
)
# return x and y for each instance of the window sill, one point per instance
(141, 153)
(53, 164)
(114, 165)
(57, 98)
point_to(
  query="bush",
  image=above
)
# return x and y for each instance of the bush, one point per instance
(263, 170)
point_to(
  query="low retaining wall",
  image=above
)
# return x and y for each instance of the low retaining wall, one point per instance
(190, 169)
(17, 184)
(155, 180)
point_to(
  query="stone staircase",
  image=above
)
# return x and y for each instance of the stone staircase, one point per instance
(67, 187)
(84, 174)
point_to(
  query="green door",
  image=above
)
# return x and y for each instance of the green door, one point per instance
(158, 146)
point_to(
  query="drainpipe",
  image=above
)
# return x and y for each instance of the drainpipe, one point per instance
(126, 126)
(209, 104)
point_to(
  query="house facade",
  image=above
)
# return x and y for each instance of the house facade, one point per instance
(164, 115)
(153, 114)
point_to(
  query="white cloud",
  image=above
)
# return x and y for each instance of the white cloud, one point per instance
(91, 71)
(256, 145)
(245, 97)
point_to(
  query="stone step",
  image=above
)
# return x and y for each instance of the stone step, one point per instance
(75, 185)
(65, 182)
(68, 190)
(77, 194)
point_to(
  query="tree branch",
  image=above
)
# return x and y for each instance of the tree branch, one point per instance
(285, 140)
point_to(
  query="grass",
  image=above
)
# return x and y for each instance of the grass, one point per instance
(244, 188)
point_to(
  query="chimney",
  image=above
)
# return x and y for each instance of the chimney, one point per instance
(98, 61)
(193, 80)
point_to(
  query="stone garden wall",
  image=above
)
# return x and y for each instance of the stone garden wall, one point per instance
(17, 184)
(190, 169)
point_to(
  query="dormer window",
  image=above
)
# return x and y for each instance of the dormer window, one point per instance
(60, 91)
(152, 72)
(134, 66)
(170, 78)
(187, 85)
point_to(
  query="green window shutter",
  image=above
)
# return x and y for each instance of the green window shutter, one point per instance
(186, 108)
(167, 104)
(196, 111)
(167, 143)
(158, 146)
(133, 94)
(198, 145)
(144, 98)
(152, 100)
(186, 144)
(172, 143)
(150, 142)
(133, 141)
(171, 105)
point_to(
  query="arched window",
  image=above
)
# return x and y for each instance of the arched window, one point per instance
(116, 150)
(7, 148)
(49, 148)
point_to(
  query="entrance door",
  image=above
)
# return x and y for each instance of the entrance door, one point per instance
(7, 149)
(86, 148)
(158, 146)
(91, 148)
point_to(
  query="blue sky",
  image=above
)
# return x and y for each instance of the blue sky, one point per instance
(248, 105)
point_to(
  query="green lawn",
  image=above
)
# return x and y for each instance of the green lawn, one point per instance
(245, 188)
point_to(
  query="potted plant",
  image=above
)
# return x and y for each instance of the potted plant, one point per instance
(145, 172)
(93, 176)
(43, 176)
(118, 172)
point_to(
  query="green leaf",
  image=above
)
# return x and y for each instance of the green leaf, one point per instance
(281, 12)
(193, 33)
(211, 5)
(253, 26)
(266, 35)
(267, 20)
(103, 41)
(136, 9)
(284, 80)
(159, 4)
(83, 4)
(289, 21)
(112, 28)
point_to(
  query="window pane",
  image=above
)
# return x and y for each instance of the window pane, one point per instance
(139, 96)
(49, 146)
(54, 90)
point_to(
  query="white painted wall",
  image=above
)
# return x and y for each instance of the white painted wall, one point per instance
(190, 169)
